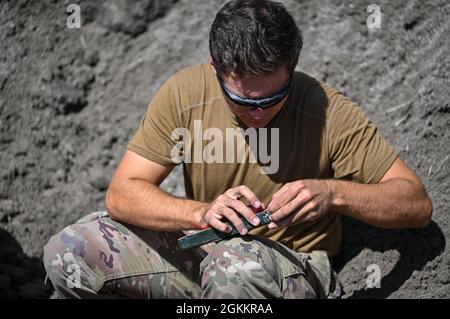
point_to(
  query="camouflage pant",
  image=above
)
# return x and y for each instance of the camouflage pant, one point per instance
(98, 257)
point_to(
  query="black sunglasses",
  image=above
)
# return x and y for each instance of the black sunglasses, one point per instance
(263, 103)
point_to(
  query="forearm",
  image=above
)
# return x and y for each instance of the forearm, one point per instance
(143, 204)
(396, 203)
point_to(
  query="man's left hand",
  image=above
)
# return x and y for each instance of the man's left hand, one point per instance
(299, 201)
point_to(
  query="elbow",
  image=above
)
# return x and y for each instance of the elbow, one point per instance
(111, 203)
(426, 212)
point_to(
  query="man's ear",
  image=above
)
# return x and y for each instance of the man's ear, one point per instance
(211, 64)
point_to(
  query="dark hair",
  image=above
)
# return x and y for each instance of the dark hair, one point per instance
(254, 37)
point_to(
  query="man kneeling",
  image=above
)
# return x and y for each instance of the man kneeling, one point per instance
(326, 159)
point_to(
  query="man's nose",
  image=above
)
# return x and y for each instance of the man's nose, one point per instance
(257, 108)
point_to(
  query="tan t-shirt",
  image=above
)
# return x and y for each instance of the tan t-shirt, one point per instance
(319, 133)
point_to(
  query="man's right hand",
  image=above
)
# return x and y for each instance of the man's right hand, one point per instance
(229, 206)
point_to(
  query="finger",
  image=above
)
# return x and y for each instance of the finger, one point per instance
(249, 195)
(305, 213)
(285, 211)
(275, 195)
(257, 210)
(279, 199)
(234, 219)
(288, 205)
(284, 222)
(272, 225)
(294, 205)
(302, 198)
(245, 211)
(241, 208)
(215, 222)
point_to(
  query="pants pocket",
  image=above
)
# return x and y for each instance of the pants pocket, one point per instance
(321, 275)
(311, 276)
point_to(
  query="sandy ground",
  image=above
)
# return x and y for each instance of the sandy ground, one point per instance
(70, 100)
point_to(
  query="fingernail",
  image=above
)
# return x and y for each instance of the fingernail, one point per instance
(255, 221)
(271, 226)
(229, 229)
(244, 231)
(257, 204)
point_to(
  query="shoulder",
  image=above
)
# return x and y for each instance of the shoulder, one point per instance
(313, 95)
(190, 77)
(192, 86)
(317, 90)
(322, 99)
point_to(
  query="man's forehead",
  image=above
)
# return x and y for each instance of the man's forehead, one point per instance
(280, 72)
(257, 86)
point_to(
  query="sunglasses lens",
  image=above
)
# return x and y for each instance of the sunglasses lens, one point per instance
(254, 103)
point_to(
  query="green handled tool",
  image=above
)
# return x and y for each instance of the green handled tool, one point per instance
(206, 236)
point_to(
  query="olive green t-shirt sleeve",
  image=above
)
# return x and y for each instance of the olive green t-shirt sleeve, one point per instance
(153, 137)
(357, 150)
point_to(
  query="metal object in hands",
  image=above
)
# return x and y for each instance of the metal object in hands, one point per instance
(206, 236)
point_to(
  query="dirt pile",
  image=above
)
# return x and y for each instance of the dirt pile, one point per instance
(70, 99)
